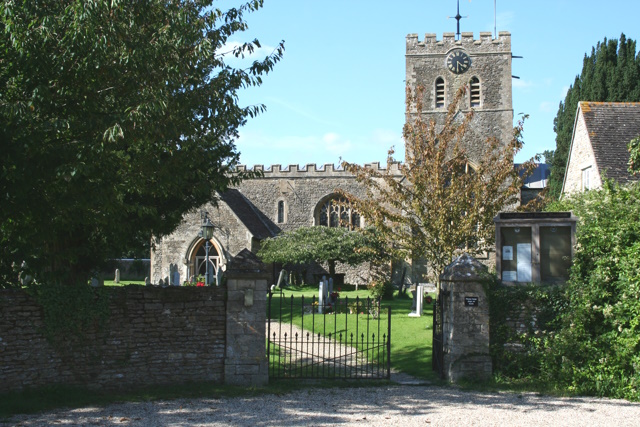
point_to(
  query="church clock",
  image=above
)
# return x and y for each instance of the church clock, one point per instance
(458, 62)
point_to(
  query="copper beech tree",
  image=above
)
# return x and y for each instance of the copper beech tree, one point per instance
(441, 203)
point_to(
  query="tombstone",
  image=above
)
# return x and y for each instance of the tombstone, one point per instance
(117, 278)
(147, 282)
(282, 278)
(419, 299)
(330, 291)
(175, 278)
(219, 276)
(322, 299)
(161, 283)
(95, 282)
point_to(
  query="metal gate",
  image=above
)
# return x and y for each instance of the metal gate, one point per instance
(437, 349)
(347, 338)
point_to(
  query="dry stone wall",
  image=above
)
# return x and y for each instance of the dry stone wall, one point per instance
(153, 336)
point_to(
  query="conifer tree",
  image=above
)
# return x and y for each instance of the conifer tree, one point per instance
(610, 73)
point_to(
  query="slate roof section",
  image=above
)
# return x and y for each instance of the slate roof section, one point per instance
(611, 125)
(247, 214)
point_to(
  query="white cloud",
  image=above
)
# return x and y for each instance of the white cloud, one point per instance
(522, 84)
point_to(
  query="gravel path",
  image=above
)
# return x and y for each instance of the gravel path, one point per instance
(378, 406)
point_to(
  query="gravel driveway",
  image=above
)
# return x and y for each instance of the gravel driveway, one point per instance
(392, 405)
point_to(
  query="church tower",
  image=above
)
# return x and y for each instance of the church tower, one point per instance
(483, 65)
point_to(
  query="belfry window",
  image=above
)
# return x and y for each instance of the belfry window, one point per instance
(439, 92)
(337, 213)
(474, 92)
(281, 212)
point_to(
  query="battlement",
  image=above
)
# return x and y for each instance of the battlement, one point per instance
(312, 170)
(485, 44)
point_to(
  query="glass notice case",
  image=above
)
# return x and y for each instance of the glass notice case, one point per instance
(534, 246)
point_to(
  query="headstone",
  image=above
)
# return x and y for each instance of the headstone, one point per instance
(326, 288)
(330, 291)
(161, 283)
(322, 299)
(95, 282)
(176, 278)
(218, 276)
(419, 298)
(117, 278)
(147, 282)
(282, 278)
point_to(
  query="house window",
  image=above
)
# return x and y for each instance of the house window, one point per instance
(281, 216)
(439, 92)
(586, 178)
(474, 92)
(336, 212)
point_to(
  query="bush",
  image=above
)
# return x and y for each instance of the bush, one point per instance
(597, 348)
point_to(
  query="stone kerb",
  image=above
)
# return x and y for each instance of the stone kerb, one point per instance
(465, 321)
(245, 358)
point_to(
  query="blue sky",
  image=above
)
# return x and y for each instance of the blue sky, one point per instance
(339, 90)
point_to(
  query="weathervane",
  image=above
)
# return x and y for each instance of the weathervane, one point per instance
(457, 18)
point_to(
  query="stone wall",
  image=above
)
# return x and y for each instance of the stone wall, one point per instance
(153, 336)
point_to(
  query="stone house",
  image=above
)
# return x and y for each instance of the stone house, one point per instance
(601, 133)
(291, 197)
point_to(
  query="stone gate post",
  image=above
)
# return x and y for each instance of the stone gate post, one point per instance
(245, 352)
(465, 321)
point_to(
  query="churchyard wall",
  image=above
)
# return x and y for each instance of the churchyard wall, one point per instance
(152, 336)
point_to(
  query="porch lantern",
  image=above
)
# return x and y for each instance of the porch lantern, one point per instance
(207, 235)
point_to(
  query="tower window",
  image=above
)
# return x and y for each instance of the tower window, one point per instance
(439, 92)
(281, 212)
(474, 90)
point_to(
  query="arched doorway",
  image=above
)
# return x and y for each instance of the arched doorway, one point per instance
(197, 260)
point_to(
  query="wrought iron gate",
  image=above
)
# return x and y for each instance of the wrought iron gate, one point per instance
(437, 349)
(348, 338)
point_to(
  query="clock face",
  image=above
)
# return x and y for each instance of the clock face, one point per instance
(458, 62)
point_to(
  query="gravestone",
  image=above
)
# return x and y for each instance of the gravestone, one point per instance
(117, 278)
(282, 278)
(161, 283)
(418, 297)
(147, 281)
(176, 278)
(322, 298)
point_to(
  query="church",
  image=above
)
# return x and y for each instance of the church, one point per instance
(293, 196)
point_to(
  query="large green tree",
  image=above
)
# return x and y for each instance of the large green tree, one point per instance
(320, 244)
(610, 73)
(116, 117)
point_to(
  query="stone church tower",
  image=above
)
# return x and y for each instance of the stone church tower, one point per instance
(483, 65)
(294, 196)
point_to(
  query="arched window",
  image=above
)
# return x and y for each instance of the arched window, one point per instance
(474, 92)
(336, 212)
(281, 212)
(439, 92)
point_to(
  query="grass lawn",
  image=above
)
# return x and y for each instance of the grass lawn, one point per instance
(124, 283)
(410, 336)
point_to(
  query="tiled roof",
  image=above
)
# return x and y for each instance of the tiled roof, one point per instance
(611, 125)
(247, 214)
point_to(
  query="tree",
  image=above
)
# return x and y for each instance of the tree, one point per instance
(319, 244)
(611, 73)
(440, 204)
(116, 117)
